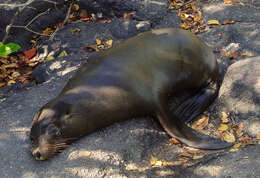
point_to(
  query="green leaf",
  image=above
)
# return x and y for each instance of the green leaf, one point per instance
(7, 49)
(1, 44)
(14, 47)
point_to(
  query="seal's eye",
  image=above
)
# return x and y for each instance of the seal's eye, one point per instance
(67, 112)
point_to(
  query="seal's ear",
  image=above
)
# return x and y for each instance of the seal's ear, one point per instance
(53, 130)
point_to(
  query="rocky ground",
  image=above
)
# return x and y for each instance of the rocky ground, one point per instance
(139, 147)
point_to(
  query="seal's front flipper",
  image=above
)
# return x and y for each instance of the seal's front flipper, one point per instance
(177, 129)
(192, 105)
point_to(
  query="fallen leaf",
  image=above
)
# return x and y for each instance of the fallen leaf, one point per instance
(109, 43)
(227, 22)
(4, 60)
(174, 141)
(85, 153)
(48, 31)
(63, 53)
(128, 15)
(239, 129)
(2, 84)
(24, 79)
(213, 22)
(185, 154)
(224, 118)
(229, 137)
(200, 123)
(237, 145)
(246, 140)
(30, 53)
(258, 137)
(49, 58)
(27, 88)
(197, 157)
(11, 82)
(98, 42)
(75, 7)
(185, 26)
(223, 127)
(16, 74)
(13, 65)
(153, 160)
(182, 160)
(75, 30)
(91, 48)
(233, 149)
(193, 151)
(228, 1)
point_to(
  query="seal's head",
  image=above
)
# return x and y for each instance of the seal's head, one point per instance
(47, 134)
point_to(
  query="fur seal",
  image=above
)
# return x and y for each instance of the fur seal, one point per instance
(136, 78)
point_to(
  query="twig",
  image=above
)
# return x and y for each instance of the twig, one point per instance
(21, 7)
(8, 27)
(31, 21)
(63, 23)
(17, 5)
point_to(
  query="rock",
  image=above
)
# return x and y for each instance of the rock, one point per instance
(240, 90)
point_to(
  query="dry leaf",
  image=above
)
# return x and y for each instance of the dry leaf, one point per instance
(174, 141)
(128, 15)
(201, 123)
(13, 65)
(237, 145)
(228, 1)
(109, 43)
(258, 137)
(4, 60)
(30, 53)
(223, 127)
(63, 53)
(185, 154)
(153, 160)
(85, 153)
(91, 48)
(11, 82)
(16, 74)
(24, 79)
(48, 31)
(193, 151)
(75, 7)
(182, 160)
(98, 42)
(2, 84)
(224, 118)
(27, 88)
(75, 30)
(233, 149)
(49, 58)
(239, 129)
(246, 140)
(226, 22)
(229, 137)
(198, 156)
(213, 22)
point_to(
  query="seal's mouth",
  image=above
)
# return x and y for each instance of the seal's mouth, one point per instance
(47, 151)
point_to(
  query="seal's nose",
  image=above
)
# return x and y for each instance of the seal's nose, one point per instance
(37, 155)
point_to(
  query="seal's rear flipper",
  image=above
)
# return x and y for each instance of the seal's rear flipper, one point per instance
(187, 106)
(177, 129)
